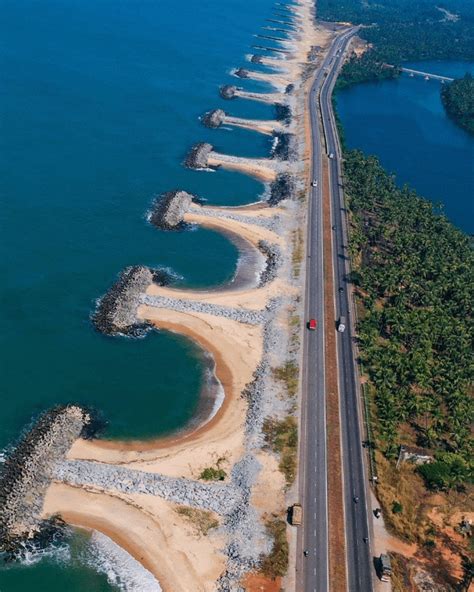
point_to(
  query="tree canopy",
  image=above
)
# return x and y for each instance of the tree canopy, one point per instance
(404, 30)
(414, 275)
(458, 99)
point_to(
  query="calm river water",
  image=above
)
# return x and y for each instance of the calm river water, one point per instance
(404, 123)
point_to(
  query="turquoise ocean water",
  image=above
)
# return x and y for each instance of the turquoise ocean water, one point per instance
(99, 103)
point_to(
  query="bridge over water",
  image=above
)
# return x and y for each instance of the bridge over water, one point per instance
(425, 75)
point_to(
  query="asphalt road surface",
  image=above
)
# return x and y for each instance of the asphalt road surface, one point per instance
(312, 570)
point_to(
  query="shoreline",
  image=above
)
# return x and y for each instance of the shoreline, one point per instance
(241, 345)
(213, 389)
(190, 430)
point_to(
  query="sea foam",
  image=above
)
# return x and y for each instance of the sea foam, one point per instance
(121, 569)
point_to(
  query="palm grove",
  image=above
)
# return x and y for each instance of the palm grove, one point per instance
(414, 275)
(413, 269)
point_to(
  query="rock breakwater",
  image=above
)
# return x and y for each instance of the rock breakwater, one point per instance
(242, 315)
(213, 119)
(282, 188)
(29, 470)
(116, 311)
(228, 91)
(217, 497)
(273, 259)
(198, 156)
(283, 113)
(242, 73)
(285, 147)
(168, 210)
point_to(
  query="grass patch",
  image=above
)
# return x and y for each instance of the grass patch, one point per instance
(400, 492)
(275, 564)
(288, 373)
(400, 580)
(201, 520)
(297, 251)
(281, 436)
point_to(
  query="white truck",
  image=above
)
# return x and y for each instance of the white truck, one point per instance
(341, 324)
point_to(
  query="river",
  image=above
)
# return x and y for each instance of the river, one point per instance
(404, 123)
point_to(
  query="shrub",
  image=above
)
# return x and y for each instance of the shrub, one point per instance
(213, 474)
(397, 507)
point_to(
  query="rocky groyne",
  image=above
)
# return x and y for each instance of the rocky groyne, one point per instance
(168, 210)
(116, 311)
(285, 147)
(273, 259)
(198, 156)
(241, 315)
(283, 113)
(242, 73)
(282, 188)
(228, 91)
(29, 470)
(213, 119)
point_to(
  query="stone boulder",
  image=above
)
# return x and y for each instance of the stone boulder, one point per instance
(29, 469)
(168, 210)
(282, 188)
(116, 311)
(198, 156)
(228, 91)
(242, 73)
(213, 119)
(285, 147)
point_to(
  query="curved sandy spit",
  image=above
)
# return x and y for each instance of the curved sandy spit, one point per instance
(148, 534)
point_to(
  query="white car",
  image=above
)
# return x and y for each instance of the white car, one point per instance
(314, 183)
(331, 155)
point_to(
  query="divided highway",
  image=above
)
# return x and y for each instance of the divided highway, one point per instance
(313, 569)
(358, 556)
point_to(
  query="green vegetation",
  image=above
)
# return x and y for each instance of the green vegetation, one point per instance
(288, 374)
(281, 436)
(216, 473)
(414, 276)
(213, 474)
(275, 564)
(368, 67)
(397, 507)
(448, 470)
(403, 30)
(202, 520)
(458, 100)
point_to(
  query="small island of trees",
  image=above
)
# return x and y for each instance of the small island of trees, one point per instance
(458, 100)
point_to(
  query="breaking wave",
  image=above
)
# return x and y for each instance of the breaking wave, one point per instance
(120, 568)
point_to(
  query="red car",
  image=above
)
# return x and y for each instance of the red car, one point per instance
(312, 324)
